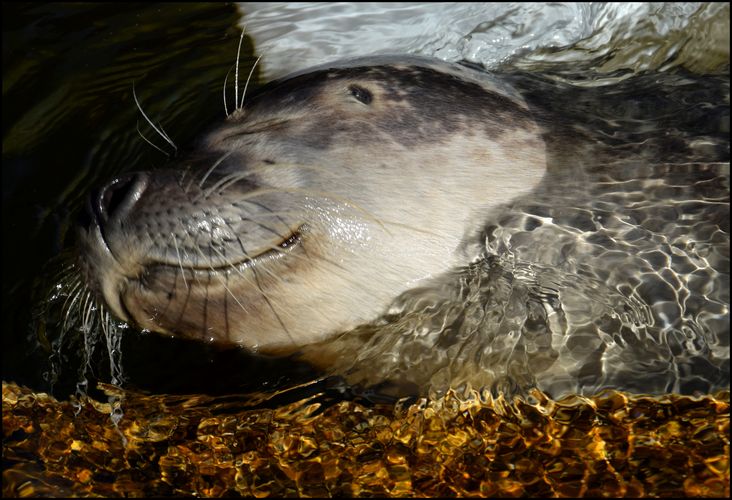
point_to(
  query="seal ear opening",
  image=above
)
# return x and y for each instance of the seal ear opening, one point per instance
(360, 93)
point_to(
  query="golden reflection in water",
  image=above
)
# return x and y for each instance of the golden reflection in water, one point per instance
(611, 445)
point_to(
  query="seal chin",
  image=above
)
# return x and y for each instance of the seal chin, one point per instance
(101, 270)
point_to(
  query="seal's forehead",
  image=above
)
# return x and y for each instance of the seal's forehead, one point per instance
(404, 64)
(400, 77)
(403, 82)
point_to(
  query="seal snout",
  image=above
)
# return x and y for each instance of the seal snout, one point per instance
(118, 197)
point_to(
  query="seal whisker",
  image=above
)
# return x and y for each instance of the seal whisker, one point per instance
(87, 311)
(271, 214)
(345, 276)
(149, 141)
(226, 78)
(180, 261)
(236, 74)
(189, 291)
(259, 287)
(72, 284)
(204, 194)
(76, 298)
(165, 135)
(251, 72)
(278, 249)
(248, 256)
(139, 107)
(261, 291)
(214, 272)
(381, 221)
(188, 287)
(278, 215)
(231, 179)
(330, 196)
(320, 194)
(211, 169)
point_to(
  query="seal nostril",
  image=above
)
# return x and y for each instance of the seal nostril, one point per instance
(119, 196)
(113, 197)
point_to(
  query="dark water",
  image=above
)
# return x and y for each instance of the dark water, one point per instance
(70, 123)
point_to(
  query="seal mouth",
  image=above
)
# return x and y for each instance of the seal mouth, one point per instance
(286, 246)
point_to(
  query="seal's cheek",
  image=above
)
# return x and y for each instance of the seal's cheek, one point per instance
(219, 304)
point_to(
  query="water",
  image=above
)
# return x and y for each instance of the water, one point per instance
(600, 37)
(646, 84)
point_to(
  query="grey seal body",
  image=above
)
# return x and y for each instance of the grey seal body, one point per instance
(401, 218)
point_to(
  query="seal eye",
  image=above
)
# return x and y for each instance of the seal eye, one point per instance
(361, 94)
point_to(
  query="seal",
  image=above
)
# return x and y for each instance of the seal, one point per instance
(304, 214)
(405, 219)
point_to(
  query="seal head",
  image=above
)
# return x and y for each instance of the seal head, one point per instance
(304, 214)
